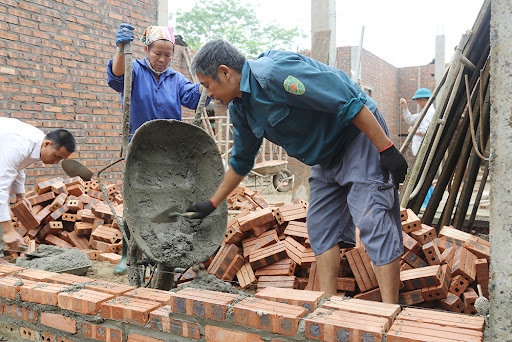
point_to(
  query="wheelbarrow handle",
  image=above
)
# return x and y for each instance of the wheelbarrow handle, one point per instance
(127, 50)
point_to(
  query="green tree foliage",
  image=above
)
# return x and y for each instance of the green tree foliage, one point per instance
(231, 20)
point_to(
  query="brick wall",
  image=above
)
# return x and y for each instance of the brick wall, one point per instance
(53, 57)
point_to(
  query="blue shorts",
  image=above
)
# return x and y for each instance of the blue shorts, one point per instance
(351, 193)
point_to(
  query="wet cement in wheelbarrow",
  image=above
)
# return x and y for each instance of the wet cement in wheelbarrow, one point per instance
(173, 164)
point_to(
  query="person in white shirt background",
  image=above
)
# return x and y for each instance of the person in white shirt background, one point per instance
(421, 96)
(20, 146)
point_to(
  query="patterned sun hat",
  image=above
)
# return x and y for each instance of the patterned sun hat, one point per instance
(154, 33)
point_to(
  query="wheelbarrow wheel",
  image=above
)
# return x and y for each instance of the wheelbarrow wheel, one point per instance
(283, 180)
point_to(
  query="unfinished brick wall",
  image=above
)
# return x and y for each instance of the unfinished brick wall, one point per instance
(53, 57)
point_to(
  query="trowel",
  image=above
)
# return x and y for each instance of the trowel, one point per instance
(74, 168)
(170, 215)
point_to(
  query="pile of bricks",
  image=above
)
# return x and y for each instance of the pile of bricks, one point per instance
(268, 246)
(112, 312)
(442, 271)
(70, 213)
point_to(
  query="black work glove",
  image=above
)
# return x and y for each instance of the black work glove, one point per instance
(201, 209)
(393, 162)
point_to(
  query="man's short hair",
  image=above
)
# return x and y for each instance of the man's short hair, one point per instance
(213, 54)
(62, 137)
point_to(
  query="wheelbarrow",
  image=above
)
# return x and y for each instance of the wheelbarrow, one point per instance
(275, 173)
(170, 163)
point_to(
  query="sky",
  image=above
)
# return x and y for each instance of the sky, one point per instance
(401, 32)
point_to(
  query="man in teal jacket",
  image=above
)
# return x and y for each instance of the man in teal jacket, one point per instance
(323, 119)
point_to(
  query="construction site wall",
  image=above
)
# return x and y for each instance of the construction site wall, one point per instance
(53, 57)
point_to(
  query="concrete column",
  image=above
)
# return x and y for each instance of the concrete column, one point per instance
(162, 13)
(500, 288)
(440, 65)
(323, 31)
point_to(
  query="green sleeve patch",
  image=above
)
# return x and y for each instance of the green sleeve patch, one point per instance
(294, 86)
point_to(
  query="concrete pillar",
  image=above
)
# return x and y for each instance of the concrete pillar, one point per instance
(162, 13)
(440, 65)
(323, 49)
(323, 31)
(500, 288)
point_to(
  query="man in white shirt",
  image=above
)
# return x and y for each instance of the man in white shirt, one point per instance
(21, 145)
(421, 96)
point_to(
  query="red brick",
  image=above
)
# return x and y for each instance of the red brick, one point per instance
(10, 269)
(217, 334)
(112, 258)
(482, 275)
(287, 282)
(406, 330)
(160, 296)
(41, 293)
(24, 215)
(421, 277)
(424, 234)
(101, 333)
(307, 299)
(27, 333)
(246, 277)
(335, 325)
(432, 253)
(23, 313)
(361, 266)
(10, 286)
(160, 320)
(412, 223)
(68, 279)
(108, 287)
(128, 309)
(58, 322)
(255, 219)
(202, 303)
(267, 255)
(142, 338)
(443, 318)
(282, 267)
(83, 301)
(274, 317)
(34, 275)
(385, 310)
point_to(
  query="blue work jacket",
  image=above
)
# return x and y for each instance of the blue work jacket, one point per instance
(155, 100)
(298, 103)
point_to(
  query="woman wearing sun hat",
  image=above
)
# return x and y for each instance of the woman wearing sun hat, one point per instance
(158, 91)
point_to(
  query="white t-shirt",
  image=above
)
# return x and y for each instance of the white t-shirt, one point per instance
(20, 146)
(411, 120)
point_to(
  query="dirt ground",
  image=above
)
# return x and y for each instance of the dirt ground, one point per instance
(105, 271)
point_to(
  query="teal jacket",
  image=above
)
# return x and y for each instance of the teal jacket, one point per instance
(298, 103)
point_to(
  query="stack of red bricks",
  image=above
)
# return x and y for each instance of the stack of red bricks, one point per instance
(114, 312)
(269, 247)
(70, 213)
(445, 270)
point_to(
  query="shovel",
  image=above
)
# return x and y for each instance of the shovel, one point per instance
(170, 215)
(74, 168)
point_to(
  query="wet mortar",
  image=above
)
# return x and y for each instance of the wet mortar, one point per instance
(56, 259)
(173, 164)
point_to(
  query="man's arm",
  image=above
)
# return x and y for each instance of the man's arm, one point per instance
(369, 125)
(391, 160)
(229, 183)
